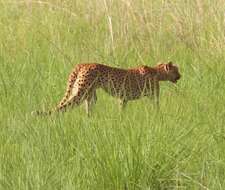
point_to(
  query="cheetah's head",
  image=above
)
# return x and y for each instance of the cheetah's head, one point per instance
(170, 72)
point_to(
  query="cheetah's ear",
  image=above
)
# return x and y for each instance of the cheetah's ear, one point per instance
(170, 63)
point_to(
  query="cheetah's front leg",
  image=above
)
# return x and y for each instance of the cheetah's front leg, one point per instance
(155, 92)
(122, 104)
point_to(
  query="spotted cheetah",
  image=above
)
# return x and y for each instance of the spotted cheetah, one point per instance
(124, 84)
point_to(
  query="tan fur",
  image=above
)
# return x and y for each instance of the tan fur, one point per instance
(124, 84)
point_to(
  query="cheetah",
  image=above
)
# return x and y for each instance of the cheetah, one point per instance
(124, 84)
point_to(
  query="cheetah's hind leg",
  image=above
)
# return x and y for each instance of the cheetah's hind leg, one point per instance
(90, 101)
(78, 95)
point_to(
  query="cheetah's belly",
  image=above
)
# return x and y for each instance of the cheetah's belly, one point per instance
(124, 87)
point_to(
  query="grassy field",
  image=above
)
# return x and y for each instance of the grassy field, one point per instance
(180, 147)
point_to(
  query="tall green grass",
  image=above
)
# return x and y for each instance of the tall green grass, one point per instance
(180, 147)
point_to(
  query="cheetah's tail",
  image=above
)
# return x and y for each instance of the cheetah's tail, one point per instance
(70, 84)
(59, 108)
(71, 81)
(42, 113)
